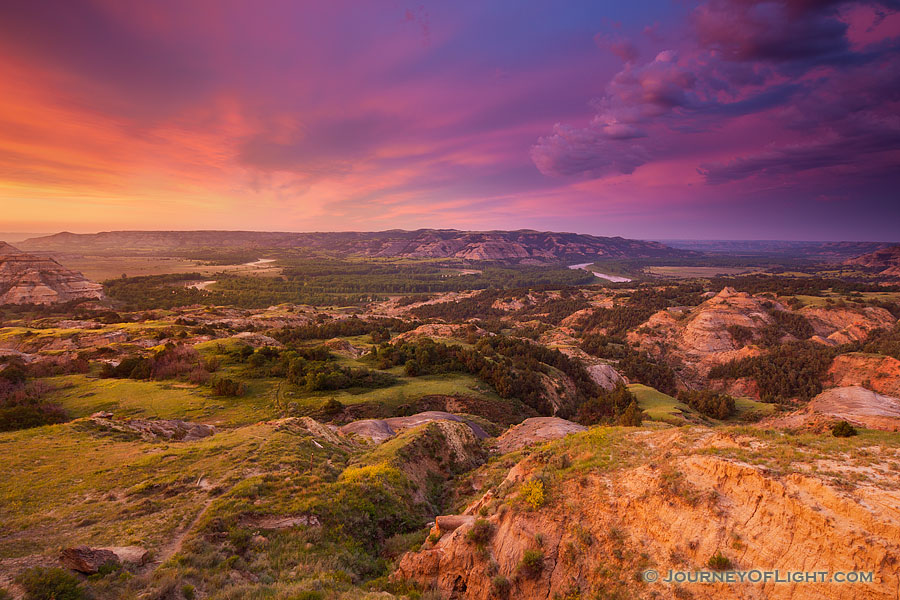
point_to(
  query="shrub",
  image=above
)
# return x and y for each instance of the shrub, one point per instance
(42, 583)
(719, 562)
(330, 408)
(4, 595)
(307, 595)
(709, 403)
(481, 532)
(533, 493)
(500, 586)
(632, 416)
(843, 429)
(532, 563)
(225, 386)
(188, 591)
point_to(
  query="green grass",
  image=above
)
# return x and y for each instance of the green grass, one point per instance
(81, 395)
(662, 407)
(658, 406)
(408, 389)
(64, 485)
(744, 405)
(787, 452)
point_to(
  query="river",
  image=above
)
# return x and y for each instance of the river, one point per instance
(259, 262)
(613, 278)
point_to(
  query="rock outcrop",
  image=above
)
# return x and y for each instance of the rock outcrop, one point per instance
(853, 404)
(874, 371)
(885, 260)
(703, 336)
(535, 431)
(836, 326)
(345, 348)
(29, 279)
(381, 430)
(87, 560)
(675, 510)
(729, 326)
(174, 430)
(602, 373)
(441, 331)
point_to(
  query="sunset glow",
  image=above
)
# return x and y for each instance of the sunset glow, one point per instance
(658, 119)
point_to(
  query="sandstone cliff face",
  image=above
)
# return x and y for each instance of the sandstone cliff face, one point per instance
(29, 279)
(600, 530)
(704, 336)
(874, 371)
(601, 372)
(885, 259)
(854, 404)
(836, 326)
(700, 338)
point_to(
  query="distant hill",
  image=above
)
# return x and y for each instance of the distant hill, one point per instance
(885, 260)
(29, 279)
(514, 246)
(822, 251)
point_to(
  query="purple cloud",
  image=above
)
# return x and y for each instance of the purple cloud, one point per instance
(783, 65)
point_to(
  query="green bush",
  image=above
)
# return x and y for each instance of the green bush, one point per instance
(532, 563)
(632, 416)
(41, 583)
(610, 406)
(500, 586)
(843, 429)
(188, 591)
(709, 403)
(225, 386)
(481, 532)
(719, 562)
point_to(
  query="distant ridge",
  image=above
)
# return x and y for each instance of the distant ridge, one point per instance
(825, 251)
(516, 246)
(886, 260)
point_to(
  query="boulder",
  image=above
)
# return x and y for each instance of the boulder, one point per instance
(87, 560)
(174, 430)
(380, 430)
(448, 523)
(536, 430)
(129, 555)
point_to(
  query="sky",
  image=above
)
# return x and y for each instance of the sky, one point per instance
(723, 119)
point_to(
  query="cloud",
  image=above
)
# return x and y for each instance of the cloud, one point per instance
(863, 148)
(571, 151)
(620, 47)
(769, 69)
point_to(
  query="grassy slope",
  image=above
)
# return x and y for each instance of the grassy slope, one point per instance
(67, 485)
(662, 407)
(82, 395)
(659, 406)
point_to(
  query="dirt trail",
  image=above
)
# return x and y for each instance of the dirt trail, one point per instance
(170, 548)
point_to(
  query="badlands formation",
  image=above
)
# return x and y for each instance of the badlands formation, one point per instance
(29, 279)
